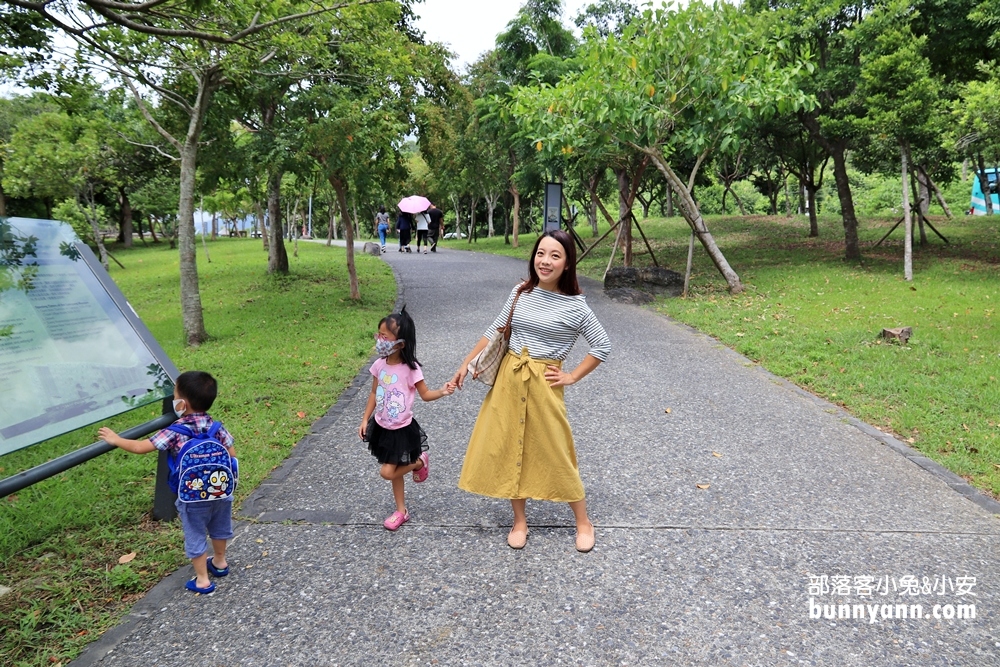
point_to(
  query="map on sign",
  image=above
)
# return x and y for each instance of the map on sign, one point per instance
(72, 351)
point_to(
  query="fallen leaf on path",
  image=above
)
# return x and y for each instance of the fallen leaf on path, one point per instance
(301, 414)
(667, 411)
(717, 454)
(127, 558)
(703, 486)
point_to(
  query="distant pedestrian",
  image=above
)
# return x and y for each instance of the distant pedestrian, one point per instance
(394, 437)
(522, 446)
(435, 226)
(194, 395)
(404, 223)
(422, 221)
(382, 225)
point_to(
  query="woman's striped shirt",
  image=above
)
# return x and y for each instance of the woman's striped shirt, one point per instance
(548, 324)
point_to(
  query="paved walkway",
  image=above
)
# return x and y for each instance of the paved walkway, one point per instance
(680, 575)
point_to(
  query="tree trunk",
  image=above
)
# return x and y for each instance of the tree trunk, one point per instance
(670, 201)
(915, 188)
(689, 209)
(152, 229)
(491, 204)
(937, 193)
(260, 223)
(3, 202)
(352, 271)
(126, 211)
(923, 190)
(516, 212)
(472, 216)
(277, 256)
(191, 311)
(592, 184)
(811, 189)
(332, 225)
(984, 183)
(624, 213)
(907, 218)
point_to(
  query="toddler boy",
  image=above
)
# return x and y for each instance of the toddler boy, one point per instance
(194, 394)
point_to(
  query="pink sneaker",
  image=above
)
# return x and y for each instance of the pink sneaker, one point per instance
(395, 520)
(421, 474)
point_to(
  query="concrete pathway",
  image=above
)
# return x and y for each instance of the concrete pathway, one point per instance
(801, 503)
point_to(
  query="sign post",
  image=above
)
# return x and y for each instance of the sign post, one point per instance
(553, 207)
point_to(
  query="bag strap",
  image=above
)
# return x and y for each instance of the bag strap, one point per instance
(510, 317)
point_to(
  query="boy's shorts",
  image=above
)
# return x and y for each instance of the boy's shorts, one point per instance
(213, 518)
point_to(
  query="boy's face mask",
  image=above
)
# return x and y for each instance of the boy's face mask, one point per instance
(178, 402)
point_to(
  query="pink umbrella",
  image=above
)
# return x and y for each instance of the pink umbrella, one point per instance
(414, 204)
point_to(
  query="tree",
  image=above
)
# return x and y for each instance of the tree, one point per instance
(181, 55)
(683, 82)
(63, 160)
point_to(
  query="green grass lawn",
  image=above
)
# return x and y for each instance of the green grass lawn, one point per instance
(282, 348)
(809, 316)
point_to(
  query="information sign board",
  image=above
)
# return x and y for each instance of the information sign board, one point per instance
(72, 350)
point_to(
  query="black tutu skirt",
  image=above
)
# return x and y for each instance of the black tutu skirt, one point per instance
(401, 446)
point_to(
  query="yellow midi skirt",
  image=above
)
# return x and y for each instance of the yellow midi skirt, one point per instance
(522, 445)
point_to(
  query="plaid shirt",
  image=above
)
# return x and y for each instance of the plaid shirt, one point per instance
(199, 422)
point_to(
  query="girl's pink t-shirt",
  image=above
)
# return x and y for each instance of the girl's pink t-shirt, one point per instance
(397, 387)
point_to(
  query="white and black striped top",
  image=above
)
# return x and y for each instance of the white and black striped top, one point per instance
(548, 323)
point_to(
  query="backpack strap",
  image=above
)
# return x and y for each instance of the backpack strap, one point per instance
(182, 430)
(213, 430)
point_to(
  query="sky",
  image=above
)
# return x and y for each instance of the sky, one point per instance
(470, 27)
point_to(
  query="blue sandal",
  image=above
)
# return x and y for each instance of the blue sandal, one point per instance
(216, 572)
(192, 585)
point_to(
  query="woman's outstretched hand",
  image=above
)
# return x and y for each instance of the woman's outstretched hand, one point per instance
(557, 378)
(459, 378)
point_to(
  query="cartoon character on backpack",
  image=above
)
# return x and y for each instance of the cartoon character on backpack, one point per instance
(203, 469)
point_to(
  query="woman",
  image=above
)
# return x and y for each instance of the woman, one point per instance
(521, 446)
(382, 225)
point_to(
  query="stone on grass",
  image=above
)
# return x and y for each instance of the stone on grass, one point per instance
(372, 249)
(627, 284)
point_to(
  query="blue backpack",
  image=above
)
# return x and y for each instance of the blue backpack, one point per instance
(203, 469)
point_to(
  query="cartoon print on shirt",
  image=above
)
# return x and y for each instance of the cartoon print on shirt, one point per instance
(396, 404)
(388, 401)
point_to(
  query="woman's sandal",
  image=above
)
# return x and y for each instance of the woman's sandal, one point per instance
(517, 540)
(585, 543)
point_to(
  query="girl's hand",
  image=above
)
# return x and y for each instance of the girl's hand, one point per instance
(448, 389)
(362, 429)
(557, 378)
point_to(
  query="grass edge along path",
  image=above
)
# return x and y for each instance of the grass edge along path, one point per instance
(812, 318)
(79, 549)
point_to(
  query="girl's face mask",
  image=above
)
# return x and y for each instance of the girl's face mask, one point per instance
(384, 348)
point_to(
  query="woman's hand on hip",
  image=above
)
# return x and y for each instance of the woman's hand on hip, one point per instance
(557, 378)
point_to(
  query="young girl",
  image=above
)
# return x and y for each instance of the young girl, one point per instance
(522, 446)
(394, 437)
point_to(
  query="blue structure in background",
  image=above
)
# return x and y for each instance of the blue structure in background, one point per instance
(978, 206)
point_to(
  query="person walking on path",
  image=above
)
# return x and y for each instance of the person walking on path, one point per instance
(422, 221)
(435, 226)
(522, 446)
(394, 437)
(382, 225)
(404, 223)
